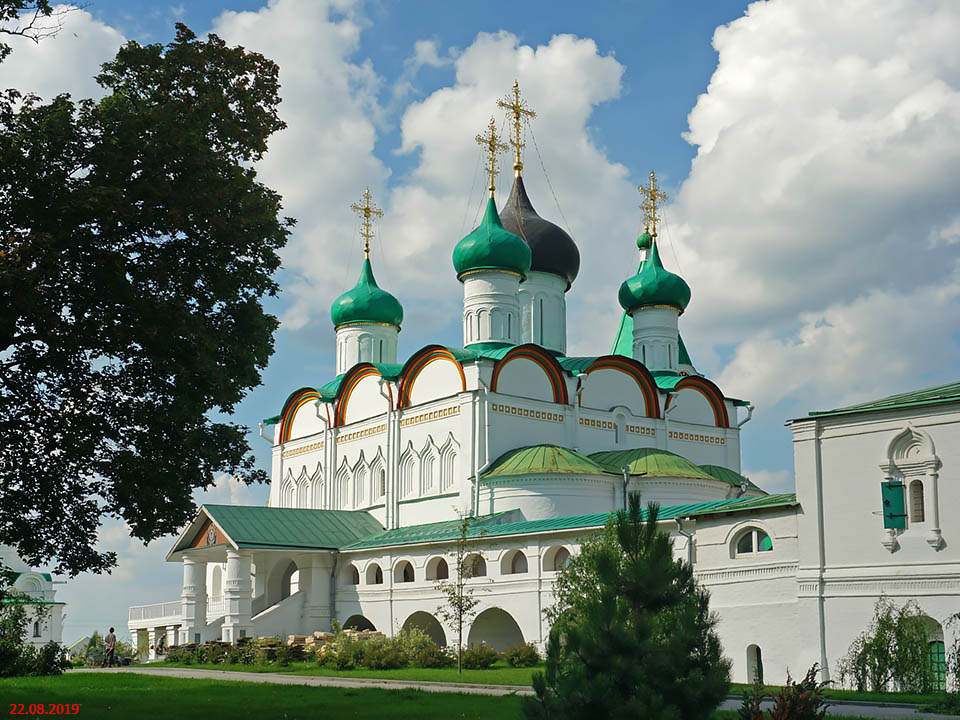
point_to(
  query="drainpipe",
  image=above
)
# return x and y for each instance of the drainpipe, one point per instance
(666, 421)
(581, 383)
(326, 447)
(263, 427)
(388, 514)
(626, 481)
(482, 414)
(689, 537)
(335, 555)
(743, 422)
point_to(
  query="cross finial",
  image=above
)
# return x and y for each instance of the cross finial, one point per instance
(494, 147)
(367, 212)
(520, 111)
(652, 197)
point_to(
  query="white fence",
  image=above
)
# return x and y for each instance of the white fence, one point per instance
(172, 610)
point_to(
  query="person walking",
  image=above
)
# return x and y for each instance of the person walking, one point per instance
(109, 645)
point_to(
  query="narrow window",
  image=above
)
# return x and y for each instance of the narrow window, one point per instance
(643, 354)
(383, 483)
(509, 326)
(916, 501)
(541, 321)
(36, 629)
(745, 546)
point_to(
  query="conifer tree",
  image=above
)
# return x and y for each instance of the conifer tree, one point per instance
(633, 635)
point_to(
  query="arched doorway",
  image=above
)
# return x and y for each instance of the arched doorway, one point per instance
(495, 628)
(358, 622)
(429, 624)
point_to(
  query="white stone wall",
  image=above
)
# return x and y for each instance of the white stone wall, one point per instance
(365, 342)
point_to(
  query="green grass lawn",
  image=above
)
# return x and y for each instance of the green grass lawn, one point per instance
(837, 694)
(499, 674)
(125, 695)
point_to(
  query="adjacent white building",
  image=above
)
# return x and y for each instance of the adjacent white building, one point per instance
(371, 470)
(44, 622)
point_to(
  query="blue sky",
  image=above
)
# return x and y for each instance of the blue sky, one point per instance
(810, 148)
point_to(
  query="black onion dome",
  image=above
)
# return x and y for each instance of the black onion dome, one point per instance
(553, 250)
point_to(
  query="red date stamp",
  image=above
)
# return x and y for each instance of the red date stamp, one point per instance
(44, 709)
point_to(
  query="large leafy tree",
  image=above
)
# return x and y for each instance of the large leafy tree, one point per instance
(633, 635)
(136, 245)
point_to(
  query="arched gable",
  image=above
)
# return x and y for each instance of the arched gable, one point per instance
(297, 411)
(518, 383)
(710, 392)
(641, 379)
(361, 386)
(442, 376)
(911, 445)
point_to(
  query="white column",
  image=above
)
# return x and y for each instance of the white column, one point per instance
(171, 636)
(237, 596)
(315, 580)
(152, 643)
(194, 600)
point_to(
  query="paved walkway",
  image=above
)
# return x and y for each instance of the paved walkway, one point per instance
(840, 707)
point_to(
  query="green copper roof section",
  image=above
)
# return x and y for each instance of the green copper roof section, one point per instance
(491, 247)
(930, 396)
(651, 462)
(683, 357)
(491, 526)
(654, 285)
(366, 302)
(292, 528)
(623, 342)
(729, 476)
(575, 365)
(543, 459)
(430, 532)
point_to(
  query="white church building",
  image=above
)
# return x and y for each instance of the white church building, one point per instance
(35, 590)
(371, 470)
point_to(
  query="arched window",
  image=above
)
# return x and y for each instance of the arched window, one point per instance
(383, 483)
(343, 488)
(448, 460)
(513, 563)
(437, 569)
(374, 575)
(754, 664)
(403, 572)
(353, 575)
(753, 541)
(561, 559)
(36, 628)
(474, 565)
(916, 501)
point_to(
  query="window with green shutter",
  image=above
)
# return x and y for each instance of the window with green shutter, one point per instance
(894, 510)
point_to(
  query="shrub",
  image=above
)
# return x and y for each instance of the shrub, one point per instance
(282, 655)
(344, 652)
(212, 653)
(432, 656)
(381, 653)
(414, 641)
(525, 655)
(800, 701)
(51, 659)
(480, 657)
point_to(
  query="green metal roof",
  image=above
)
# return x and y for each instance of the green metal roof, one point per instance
(652, 462)
(265, 527)
(430, 532)
(930, 396)
(729, 476)
(539, 459)
(683, 357)
(575, 365)
(654, 285)
(490, 525)
(491, 247)
(623, 341)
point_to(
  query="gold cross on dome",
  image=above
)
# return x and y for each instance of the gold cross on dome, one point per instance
(494, 147)
(521, 112)
(652, 197)
(367, 212)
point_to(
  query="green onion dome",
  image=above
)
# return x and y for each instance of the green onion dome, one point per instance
(366, 303)
(654, 285)
(491, 247)
(644, 241)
